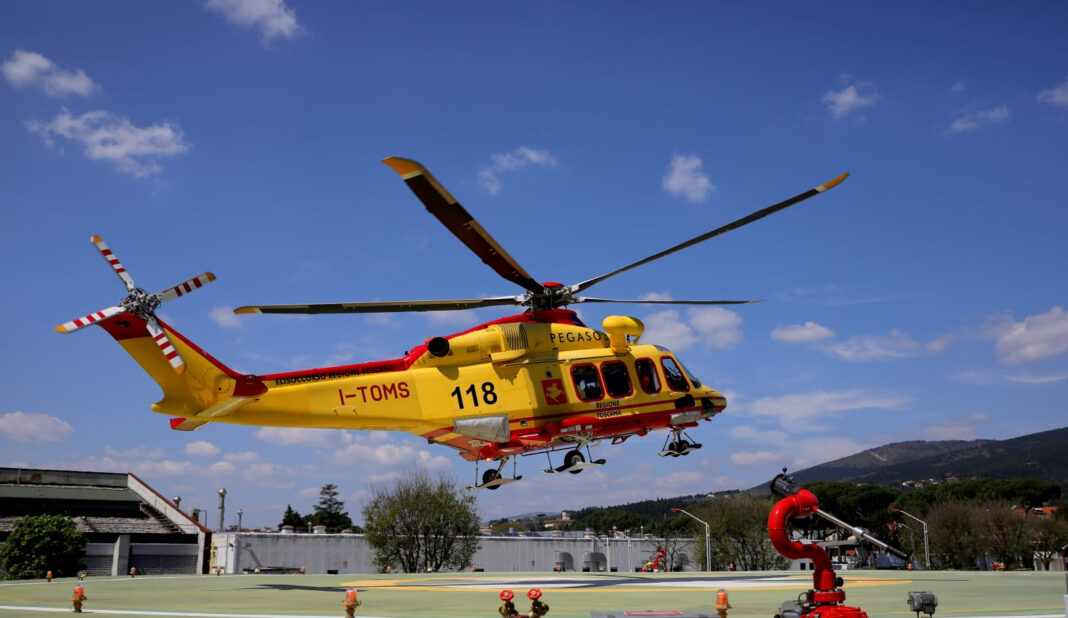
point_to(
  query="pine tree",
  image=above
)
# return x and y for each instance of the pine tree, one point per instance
(330, 511)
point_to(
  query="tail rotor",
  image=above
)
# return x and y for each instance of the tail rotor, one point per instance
(141, 304)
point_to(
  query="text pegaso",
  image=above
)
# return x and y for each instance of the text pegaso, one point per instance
(575, 337)
(376, 392)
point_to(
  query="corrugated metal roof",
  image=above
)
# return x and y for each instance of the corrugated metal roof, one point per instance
(56, 492)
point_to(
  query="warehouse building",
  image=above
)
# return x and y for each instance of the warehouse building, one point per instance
(129, 525)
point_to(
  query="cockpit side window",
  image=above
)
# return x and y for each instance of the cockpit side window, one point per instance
(647, 376)
(587, 382)
(673, 375)
(616, 379)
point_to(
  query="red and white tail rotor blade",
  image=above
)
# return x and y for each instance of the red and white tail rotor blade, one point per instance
(186, 287)
(120, 270)
(165, 345)
(92, 318)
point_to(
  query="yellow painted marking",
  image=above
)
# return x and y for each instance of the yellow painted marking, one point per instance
(652, 585)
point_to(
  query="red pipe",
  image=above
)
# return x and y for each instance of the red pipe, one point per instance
(801, 504)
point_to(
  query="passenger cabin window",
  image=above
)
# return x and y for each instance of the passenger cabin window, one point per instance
(647, 376)
(587, 382)
(616, 379)
(673, 375)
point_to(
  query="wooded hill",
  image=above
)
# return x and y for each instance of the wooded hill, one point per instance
(1039, 456)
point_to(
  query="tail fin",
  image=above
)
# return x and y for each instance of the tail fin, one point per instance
(205, 391)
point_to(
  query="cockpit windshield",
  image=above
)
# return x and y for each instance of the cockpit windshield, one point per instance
(693, 379)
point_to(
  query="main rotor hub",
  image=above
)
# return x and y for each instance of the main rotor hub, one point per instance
(141, 303)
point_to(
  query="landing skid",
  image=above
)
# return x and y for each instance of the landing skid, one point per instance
(575, 468)
(494, 484)
(676, 445)
(492, 479)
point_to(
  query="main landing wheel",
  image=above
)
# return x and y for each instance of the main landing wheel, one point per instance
(681, 446)
(491, 475)
(573, 458)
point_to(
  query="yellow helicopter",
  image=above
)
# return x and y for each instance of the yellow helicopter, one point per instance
(534, 383)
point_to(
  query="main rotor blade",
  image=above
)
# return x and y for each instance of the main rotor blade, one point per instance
(588, 299)
(164, 344)
(455, 217)
(385, 307)
(103, 314)
(760, 214)
(120, 270)
(186, 287)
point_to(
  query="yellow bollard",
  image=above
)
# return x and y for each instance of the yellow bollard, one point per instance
(78, 598)
(351, 602)
(722, 604)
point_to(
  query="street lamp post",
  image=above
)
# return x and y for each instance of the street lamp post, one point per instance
(708, 539)
(926, 545)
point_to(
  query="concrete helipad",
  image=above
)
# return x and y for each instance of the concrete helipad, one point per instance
(879, 593)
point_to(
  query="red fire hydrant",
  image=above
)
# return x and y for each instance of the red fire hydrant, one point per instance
(78, 598)
(507, 609)
(351, 602)
(537, 608)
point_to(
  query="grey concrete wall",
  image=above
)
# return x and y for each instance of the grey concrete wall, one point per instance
(350, 553)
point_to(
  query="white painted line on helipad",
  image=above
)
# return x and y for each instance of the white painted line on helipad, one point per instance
(129, 612)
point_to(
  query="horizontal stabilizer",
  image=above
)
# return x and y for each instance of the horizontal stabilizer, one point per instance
(187, 424)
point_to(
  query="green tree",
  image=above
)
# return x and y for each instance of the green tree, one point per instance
(330, 511)
(42, 543)
(739, 526)
(955, 534)
(292, 518)
(419, 524)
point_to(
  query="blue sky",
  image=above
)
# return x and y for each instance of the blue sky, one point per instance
(921, 299)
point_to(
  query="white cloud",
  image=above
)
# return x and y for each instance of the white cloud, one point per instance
(795, 410)
(225, 317)
(802, 333)
(977, 120)
(666, 328)
(756, 459)
(242, 457)
(960, 428)
(388, 454)
(759, 436)
(1030, 379)
(1057, 95)
(862, 348)
(856, 95)
(450, 319)
(31, 427)
(108, 137)
(685, 179)
(201, 448)
(1037, 337)
(137, 451)
(32, 69)
(291, 436)
(714, 327)
(519, 158)
(271, 17)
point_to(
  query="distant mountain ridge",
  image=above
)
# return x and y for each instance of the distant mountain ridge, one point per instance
(1042, 456)
(1039, 455)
